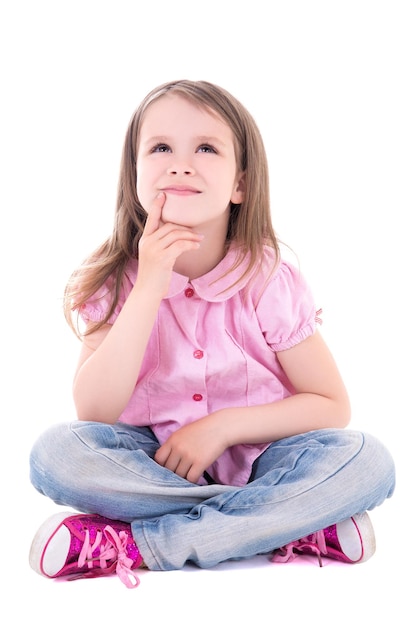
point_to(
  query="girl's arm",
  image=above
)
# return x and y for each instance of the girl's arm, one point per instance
(111, 357)
(320, 401)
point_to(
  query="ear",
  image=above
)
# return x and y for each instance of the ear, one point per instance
(238, 194)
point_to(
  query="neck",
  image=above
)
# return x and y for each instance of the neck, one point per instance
(196, 263)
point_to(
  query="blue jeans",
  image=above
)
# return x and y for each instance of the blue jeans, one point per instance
(299, 485)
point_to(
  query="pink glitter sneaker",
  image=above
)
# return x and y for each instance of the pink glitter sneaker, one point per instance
(77, 546)
(350, 541)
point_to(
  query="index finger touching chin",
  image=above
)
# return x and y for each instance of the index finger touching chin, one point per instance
(155, 212)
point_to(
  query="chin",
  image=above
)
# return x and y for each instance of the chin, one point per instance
(175, 217)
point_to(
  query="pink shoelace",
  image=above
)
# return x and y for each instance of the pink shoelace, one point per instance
(315, 543)
(115, 550)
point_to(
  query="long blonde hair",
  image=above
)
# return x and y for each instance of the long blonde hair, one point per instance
(250, 223)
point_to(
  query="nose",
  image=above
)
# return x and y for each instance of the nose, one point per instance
(180, 168)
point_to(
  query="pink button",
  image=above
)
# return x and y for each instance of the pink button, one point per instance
(198, 354)
(197, 397)
(189, 292)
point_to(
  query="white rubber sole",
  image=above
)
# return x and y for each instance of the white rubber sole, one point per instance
(349, 533)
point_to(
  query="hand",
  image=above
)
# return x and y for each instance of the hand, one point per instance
(160, 246)
(190, 450)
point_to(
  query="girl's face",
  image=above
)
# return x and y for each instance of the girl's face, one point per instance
(188, 153)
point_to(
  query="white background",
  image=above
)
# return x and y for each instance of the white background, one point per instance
(332, 86)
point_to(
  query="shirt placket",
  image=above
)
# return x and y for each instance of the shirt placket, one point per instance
(198, 362)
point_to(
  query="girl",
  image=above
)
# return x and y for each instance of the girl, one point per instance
(211, 415)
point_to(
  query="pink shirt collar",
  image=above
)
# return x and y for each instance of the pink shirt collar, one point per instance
(213, 286)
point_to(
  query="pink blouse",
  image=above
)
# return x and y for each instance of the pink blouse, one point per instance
(212, 347)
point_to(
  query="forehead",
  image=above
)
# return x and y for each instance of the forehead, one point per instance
(175, 112)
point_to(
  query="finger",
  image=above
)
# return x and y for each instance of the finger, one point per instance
(183, 468)
(153, 220)
(167, 458)
(162, 454)
(171, 234)
(194, 474)
(173, 463)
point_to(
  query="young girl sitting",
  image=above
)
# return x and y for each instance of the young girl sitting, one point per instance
(211, 414)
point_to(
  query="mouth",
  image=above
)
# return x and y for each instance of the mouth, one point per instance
(181, 190)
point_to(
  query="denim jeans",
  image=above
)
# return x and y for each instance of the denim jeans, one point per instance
(299, 485)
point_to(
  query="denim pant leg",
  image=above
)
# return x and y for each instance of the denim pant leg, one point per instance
(299, 485)
(109, 469)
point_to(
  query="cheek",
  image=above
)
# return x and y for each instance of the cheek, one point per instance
(147, 177)
(142, 189)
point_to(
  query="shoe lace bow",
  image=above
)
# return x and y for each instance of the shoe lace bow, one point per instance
(114, 550)
(312, 544)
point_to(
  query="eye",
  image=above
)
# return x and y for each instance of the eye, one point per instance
(160, 147)
(205, 147)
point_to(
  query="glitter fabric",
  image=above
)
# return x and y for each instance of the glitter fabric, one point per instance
(350, 541)
(98, 546)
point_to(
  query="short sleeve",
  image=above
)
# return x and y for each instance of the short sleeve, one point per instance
(286, 310)
(97, 307)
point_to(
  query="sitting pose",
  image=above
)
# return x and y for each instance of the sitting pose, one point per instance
(211, 414)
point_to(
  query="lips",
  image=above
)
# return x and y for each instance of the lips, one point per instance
(181, 190)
